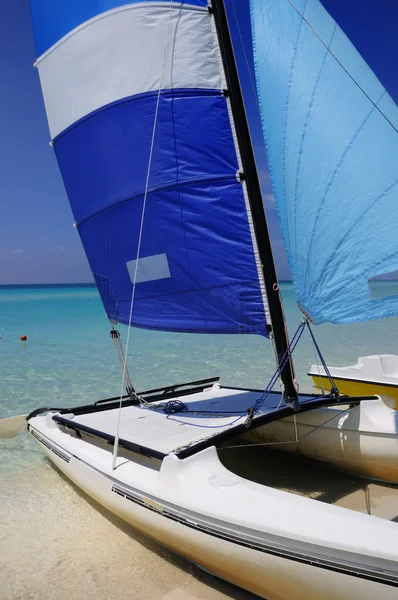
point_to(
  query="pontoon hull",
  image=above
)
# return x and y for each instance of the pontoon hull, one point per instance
(362, 440)
(353, 387)
(190, 526)
(375, 374)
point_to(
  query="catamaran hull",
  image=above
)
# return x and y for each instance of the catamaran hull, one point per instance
(362, 440)
(375, 374)
(354, 387)
(262, 568)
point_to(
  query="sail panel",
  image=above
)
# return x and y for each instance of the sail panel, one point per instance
(198, 268)
(113, 163)
(331, 134)
(53, 19)
(92, 66)
(211, 287)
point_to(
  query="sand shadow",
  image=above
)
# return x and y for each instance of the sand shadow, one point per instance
(199, 574)
(297, 474)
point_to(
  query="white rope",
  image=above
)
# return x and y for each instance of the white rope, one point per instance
(117, 436)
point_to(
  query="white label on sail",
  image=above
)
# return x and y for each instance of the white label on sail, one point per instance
(150, 268)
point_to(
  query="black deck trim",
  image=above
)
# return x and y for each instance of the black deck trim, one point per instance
(166, 393)
(352, 568)
(282, 413)
(315, 402)
(165, 390)
(133, 447)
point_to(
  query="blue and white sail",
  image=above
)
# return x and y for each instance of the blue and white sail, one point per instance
(134, 94)
(332, 142)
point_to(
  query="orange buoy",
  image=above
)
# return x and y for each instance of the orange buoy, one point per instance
(23, 338)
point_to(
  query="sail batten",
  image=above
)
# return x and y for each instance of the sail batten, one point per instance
(331, 134)
(140, 121)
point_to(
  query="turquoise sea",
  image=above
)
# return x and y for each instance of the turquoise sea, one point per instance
(49, 531)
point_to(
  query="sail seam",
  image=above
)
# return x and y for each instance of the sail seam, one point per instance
(138, 5)
(182, 292)
(342, 66)
(244, 188)
(165, 93)
(221, 179)
(272, 177)
(368, 208)
(289, 85)
(329, 185)
(303, 136)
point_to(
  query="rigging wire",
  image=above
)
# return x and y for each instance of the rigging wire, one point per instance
(295, 441)
(333, 387)
(115, 337)
(342, 66)
(253, 85)
(318, 367)
(250, 412)
(254, 90)
(116, 443)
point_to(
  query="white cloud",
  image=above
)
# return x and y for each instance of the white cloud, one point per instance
(17, 251)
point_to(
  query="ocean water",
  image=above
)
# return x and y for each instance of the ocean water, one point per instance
(55, 544)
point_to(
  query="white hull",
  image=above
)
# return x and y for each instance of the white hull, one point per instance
(275, 544)
(362, 440)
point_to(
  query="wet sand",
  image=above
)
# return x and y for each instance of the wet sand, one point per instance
(58, 544)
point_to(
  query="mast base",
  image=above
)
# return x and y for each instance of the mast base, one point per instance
(292, 403)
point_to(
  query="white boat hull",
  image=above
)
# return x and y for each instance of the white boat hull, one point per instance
(362, 440)
(275, 544)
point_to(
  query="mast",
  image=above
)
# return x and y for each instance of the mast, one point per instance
(250, 176)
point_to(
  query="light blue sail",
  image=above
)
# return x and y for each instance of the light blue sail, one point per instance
(331, 135)
(123, 146)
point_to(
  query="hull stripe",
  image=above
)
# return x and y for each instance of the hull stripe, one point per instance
(386, 576)
(351, 568)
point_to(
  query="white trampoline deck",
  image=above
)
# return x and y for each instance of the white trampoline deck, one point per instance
(151, 427)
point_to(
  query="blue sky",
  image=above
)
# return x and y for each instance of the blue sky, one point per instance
(38, 243)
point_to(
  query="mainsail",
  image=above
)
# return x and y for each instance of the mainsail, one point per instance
(138, 114)
(331, 134)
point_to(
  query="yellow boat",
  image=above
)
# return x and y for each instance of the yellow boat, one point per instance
(376, 374)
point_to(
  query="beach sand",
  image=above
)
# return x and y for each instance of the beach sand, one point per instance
(58, 544)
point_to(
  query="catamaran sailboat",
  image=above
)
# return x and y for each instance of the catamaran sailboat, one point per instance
(148, 124)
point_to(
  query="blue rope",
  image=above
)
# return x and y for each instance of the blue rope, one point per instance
(251, 412)
(289, 351)
(208, 426)
(174, 406)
